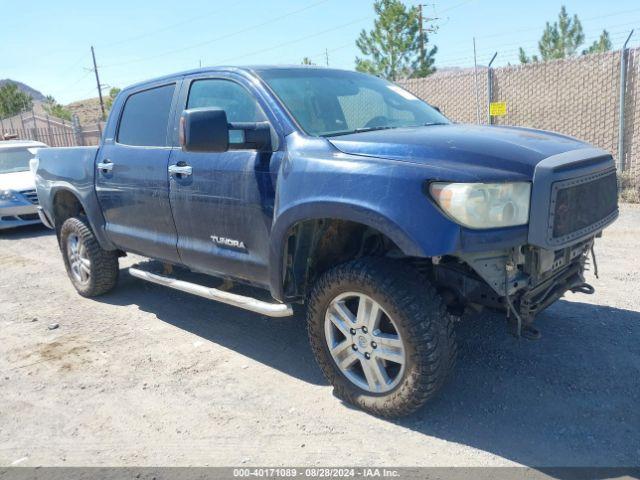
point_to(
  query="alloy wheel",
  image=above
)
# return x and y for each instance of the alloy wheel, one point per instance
(79, 262)
(364, 342)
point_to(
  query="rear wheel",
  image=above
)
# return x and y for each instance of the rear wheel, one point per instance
(382, 337)
(92, 270)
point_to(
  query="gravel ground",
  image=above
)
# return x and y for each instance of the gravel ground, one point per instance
(150, 376)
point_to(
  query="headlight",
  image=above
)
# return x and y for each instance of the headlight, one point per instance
(8, 195)
(484, 205)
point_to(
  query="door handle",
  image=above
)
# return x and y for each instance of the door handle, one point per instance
(106, 165)
(184, 170)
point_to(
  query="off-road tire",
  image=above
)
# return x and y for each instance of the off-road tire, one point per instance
(420, 316)
(104, 263)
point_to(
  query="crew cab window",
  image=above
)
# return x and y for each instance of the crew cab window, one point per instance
(226, 95)
(145, 118)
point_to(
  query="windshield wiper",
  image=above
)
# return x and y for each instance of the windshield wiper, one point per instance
(357, 130)
(434, 123)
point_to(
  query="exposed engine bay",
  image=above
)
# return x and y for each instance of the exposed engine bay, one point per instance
(521, 281)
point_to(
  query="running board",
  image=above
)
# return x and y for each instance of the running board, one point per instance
(248, 303)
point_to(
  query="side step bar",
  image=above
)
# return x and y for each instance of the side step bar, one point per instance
(248, 303)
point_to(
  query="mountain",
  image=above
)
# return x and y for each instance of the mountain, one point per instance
(88, 110)
(35, 94)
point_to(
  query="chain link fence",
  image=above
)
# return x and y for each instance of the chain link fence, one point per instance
(579, 97)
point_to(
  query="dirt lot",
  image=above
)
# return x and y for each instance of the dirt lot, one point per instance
(149, 376)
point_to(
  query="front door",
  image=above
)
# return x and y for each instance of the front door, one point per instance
(132, 180)
(223, 209)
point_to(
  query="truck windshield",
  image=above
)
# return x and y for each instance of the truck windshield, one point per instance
(15, 160)
(333, 102)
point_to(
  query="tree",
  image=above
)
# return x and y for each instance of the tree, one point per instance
(307, 61)
(562, 40)
(113, 93)
(603, 44)
(13, 100)
(54, 109)
(392, 48)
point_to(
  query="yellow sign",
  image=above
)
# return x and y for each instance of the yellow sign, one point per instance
(498, 109)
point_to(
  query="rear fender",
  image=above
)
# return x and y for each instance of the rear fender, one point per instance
(71, 170)
(89, 203)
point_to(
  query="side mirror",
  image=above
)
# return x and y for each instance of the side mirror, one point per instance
(207, 130)
(204, 130)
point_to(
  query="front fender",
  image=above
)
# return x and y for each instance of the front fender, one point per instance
(316, 181)
(317, 209)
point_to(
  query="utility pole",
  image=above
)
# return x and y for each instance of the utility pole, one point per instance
(326, 56)
(420, 23)
(422, 39)
(95, 69)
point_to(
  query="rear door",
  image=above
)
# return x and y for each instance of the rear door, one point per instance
(132, 179)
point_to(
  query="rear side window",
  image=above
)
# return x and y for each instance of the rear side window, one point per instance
(145, 118)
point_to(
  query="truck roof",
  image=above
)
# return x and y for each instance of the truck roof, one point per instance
(251, 69)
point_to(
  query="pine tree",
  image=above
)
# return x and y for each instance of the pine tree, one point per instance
(562, 40)
(603, 44)
(392, 48)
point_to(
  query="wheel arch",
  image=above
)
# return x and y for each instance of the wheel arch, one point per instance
(67, 202)
(294, 238)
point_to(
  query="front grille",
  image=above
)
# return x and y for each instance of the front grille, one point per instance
(29, 217)
(583, 204)
(31, 195)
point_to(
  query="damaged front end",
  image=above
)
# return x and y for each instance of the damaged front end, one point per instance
(573, 198)
(520, 281)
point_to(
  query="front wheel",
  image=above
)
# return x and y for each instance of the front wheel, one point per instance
(92, 270)
(381, 335)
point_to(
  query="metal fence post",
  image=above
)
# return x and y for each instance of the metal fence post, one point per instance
(623, 88)
(475, 76)
(490, 88)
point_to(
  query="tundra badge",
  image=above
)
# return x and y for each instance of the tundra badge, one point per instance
(228, 242)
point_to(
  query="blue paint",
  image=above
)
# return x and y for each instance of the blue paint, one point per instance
(376, 178)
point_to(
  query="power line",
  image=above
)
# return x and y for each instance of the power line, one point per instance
(306, 37)
(453, 7)
(162, 29)
(216, 39)
(539, 28)
(531, 43)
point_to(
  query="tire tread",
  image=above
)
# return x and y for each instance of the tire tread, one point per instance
(425, 318)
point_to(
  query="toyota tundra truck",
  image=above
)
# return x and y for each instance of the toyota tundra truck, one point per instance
(335, 191)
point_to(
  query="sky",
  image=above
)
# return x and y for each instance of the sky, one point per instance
(47, 43)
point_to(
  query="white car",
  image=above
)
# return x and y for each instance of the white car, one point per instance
(18, 198)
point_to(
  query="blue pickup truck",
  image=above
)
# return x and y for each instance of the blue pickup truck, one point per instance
(338, 191)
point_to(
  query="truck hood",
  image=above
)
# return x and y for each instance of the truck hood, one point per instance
(17, 181)
(469, 149)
